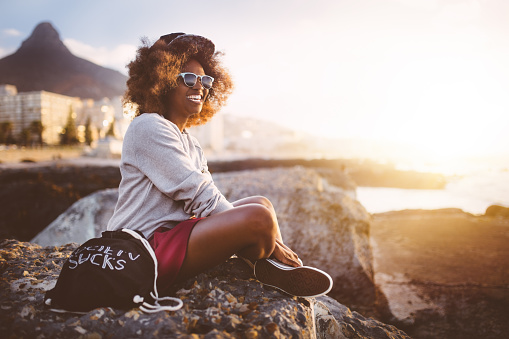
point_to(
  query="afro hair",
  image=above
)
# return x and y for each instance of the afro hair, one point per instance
(153, 74)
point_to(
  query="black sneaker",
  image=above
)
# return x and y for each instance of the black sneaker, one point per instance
(303, 281)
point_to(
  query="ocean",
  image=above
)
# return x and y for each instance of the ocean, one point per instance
(472, 193)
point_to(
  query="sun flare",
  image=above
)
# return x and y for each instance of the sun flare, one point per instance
(447, 106)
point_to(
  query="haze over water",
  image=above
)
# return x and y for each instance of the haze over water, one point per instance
(472, 192)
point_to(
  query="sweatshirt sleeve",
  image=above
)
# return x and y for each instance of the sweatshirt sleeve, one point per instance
(160, 155)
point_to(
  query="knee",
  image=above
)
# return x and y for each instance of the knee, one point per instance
(261, 230)
(263, 201)
(262, 222)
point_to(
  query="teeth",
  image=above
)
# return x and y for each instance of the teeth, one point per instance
(194, 97)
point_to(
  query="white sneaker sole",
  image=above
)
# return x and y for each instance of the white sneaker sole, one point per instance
(303, 281)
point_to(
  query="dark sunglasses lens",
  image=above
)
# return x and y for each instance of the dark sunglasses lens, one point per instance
(207, 81)
(190, 79)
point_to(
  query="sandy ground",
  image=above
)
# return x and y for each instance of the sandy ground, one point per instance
(437, 262)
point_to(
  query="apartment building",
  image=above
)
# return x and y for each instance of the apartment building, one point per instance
(51, 109)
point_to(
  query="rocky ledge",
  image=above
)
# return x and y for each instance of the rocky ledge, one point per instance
(224, 302)
(319, 219)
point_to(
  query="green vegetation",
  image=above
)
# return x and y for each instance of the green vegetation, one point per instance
(88, 132)
(6, 136)
(111, 130)
(70, 134)
(36, 129)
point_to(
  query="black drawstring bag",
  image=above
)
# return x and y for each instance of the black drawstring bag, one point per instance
(117, 270)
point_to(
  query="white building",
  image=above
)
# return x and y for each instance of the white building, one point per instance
(51, 109)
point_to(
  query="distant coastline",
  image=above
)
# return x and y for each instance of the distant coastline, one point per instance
(471, 193)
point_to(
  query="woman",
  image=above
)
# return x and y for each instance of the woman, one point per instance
(167, 192)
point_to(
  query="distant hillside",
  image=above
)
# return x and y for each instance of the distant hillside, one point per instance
(44, 63)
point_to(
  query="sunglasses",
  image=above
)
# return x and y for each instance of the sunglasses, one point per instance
(190, 80)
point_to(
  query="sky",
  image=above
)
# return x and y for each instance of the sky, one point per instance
(432, 75)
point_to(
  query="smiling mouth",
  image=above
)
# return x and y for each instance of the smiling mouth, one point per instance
(197, 99)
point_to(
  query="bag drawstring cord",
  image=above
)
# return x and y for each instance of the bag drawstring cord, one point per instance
(146, 307)
(149, 308)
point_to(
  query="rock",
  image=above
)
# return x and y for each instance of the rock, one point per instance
(497, 211)
(323, 223)
(224, 302)
(85, 219)
(334, 320)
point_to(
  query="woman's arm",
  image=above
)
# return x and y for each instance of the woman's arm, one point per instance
(159, 153)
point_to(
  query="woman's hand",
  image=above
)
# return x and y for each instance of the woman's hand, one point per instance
(284, 254)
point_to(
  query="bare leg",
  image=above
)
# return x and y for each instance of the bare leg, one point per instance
(260, 201)
(281, 251)
(249, 230)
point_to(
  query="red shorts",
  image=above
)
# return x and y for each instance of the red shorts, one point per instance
(170, 247)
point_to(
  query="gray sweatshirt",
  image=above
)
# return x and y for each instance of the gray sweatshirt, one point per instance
(165, 178)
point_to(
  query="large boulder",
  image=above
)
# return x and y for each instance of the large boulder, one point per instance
(322, 222)
(224, 302)
(85, 219)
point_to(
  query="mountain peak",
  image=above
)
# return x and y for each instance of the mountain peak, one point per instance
(45, 30)
(43, 63)
(44, 37)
